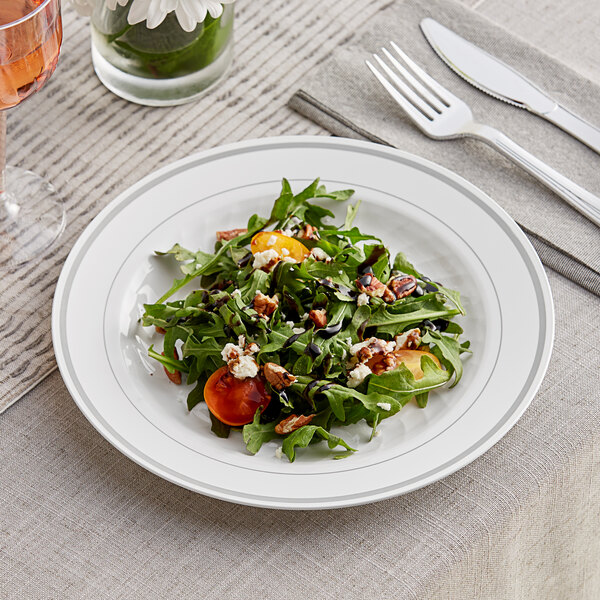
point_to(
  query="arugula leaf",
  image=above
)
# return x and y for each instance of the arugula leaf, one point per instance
(304, 435)
(338, 195)
(351, 212)
(196, 395)
(401, 384)
(202, 352)
(171, 364)
(352, 235)
(282, 204)
(449, 350)
(383, 316)
(256, 434)
(380, 404)
(219, 428)
(401, 263)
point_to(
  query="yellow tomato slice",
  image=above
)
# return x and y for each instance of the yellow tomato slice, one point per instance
(412, 360)
(284, 245)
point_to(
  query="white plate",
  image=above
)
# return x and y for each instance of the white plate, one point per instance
(452, 232)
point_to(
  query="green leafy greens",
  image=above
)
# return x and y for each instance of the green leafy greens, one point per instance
(375, 353)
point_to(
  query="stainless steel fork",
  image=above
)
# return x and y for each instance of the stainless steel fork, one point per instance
(441, 115)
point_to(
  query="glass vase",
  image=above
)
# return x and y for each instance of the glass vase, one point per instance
(161, 66)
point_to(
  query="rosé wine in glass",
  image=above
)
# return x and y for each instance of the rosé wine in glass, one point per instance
(31, 214)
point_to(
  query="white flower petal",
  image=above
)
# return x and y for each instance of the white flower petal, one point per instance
(169, 5)
(185, 18)
(196, 9)
(214, 8)
(138, 11)
(155, 14)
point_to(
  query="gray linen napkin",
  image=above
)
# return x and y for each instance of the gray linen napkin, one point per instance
(345, 98)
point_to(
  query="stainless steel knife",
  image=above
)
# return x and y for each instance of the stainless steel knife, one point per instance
(496, 78)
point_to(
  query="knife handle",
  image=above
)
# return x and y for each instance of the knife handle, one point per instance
(576, 126)
(585, 202)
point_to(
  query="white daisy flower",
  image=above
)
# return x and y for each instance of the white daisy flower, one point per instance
(189, 12)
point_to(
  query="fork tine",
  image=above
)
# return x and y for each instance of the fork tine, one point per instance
(440, 90)
(412, 112)
(406, 91)
(421, 89)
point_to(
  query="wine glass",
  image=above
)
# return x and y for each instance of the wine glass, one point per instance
(32, 216)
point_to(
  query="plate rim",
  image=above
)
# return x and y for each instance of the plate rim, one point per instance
(130, 194)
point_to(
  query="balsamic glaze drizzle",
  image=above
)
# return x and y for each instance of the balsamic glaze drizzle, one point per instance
(330, 331)
(312, 350)
(366, 266)
(291, 340)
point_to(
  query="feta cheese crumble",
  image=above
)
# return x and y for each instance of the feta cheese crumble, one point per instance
(279, 452)
(320, 254)
(362, 299)
(240, 362)
(384, 405)
(243, 367)
(272, 240)
(383, 346)
(357, 375)
(262, 259)
(285, 252)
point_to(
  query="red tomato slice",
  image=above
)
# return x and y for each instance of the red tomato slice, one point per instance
(235, 401)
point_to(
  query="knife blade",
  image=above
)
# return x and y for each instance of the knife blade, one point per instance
(489, 74)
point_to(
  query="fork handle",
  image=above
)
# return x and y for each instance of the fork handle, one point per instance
(579, 198)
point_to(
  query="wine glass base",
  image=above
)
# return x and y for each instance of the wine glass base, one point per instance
(32, 217)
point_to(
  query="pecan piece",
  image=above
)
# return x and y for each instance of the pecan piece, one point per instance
(265, 305)
(387, 362)
(308, 232)
(370, 285)
(225, 236)
(292, 423)
(175, 377)
(373, 346)
(402, 285)
(277, 376)
(318, 317)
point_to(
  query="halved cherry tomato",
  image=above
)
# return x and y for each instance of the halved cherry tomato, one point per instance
(411, 358)
(235, 401)
(272, 240)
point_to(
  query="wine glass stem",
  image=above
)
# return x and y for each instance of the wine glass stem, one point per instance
(2, 149)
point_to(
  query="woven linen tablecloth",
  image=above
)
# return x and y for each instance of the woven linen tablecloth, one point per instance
(79, 520)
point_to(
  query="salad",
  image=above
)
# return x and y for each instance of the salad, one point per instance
(298, 326)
